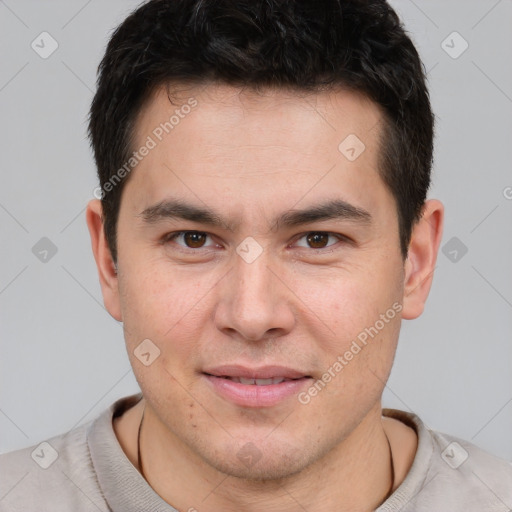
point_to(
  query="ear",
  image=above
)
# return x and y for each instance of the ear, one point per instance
(421, 258)
(106, 268)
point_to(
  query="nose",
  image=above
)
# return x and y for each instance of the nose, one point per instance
(255, 302)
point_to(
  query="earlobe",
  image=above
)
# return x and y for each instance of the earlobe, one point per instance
(421, 259)
(107, 271)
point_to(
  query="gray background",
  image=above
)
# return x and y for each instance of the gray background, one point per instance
(63, 358)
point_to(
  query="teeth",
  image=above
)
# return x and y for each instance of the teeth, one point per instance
(245, 381)
(263, 382)
(258, 382)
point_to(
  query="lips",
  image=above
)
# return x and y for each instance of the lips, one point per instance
(258, 382)
(256, 387)
(262, 373)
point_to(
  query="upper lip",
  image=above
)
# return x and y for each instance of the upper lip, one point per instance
(263, 372)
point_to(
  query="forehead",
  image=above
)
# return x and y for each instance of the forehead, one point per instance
(256, 146)
(221, 108)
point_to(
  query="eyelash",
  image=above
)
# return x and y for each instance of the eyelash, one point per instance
(170, 237)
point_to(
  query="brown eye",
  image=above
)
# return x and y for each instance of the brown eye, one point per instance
(318, 240)
(188, 239)
(194, 239)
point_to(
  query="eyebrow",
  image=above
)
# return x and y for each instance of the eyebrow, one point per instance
(336, 209)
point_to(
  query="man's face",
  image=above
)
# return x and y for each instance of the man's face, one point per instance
(252, 297)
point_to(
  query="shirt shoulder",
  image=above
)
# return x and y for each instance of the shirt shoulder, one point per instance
(82, 470)
(477, 479)
(450, 474)
(55, 475)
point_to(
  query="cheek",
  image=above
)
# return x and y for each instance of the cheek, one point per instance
(342, 302)
(158, 310)
(164, 308)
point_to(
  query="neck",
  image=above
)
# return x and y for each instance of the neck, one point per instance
(356, 475)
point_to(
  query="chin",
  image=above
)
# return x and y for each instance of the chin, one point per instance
(260, 461)
(263, 471)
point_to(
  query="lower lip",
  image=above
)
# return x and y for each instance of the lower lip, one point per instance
(252, 395)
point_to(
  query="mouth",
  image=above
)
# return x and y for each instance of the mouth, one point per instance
(255, 382)
(256, 387)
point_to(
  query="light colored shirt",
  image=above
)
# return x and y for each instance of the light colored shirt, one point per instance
(87, 470)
